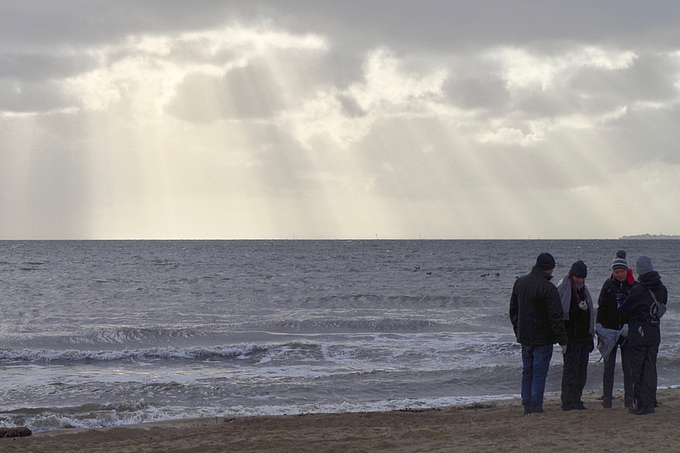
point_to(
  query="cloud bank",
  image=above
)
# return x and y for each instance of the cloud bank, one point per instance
(315, 119)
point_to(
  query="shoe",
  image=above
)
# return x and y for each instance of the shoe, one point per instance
(537, 410)
(641, 411)
(574, 407)
(527, 411)
(607, 403)
(628, 402)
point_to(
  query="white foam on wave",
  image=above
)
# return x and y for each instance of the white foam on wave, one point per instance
(375, 406)
(145, 413)
(51, 355)
(453, 351)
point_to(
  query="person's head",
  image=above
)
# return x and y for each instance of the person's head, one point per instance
(545, 262)
(620, 266)
(643, 265)
(578, 273)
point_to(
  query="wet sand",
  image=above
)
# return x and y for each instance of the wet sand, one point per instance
(497, 427)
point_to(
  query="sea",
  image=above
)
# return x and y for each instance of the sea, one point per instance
(106, 333)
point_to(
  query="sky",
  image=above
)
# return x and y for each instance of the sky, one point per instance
(319, 119)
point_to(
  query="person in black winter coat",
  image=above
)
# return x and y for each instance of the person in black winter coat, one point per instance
(579, 322)
(537, 319)
(644, 334)
(614, 291)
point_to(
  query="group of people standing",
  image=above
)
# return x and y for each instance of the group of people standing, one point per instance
(627, 319)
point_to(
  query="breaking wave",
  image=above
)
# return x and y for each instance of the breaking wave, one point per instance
(190, 353)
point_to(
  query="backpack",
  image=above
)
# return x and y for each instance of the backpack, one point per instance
(657, 309)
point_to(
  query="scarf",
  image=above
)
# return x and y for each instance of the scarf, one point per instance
(564, 290)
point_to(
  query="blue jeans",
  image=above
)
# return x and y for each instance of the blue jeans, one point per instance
(535, 361)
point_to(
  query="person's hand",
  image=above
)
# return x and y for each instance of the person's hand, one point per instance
(564, 349)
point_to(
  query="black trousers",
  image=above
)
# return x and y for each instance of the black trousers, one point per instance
(643, 372)
(608, 374)
(574, 375)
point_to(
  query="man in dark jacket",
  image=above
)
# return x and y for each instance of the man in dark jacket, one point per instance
(537, 319)
(644, 334)
(614, 291)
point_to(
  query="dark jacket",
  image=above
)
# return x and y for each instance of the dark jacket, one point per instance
(643, 329)
(536, 311)
(578, 324)
(612, 294)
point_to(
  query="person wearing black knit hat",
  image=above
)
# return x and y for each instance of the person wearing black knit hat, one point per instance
(536, 316)
(579, 323)
(545, 262)
(614, 291)
(644, 333)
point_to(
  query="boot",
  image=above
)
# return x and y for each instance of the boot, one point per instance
(628, 402)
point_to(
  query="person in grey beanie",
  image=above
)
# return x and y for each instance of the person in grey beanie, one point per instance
(644, 333)
(614, 291)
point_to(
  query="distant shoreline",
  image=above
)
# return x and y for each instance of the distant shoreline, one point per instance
(651, 236)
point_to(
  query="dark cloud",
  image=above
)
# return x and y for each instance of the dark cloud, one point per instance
(439, 30)
(34, 66)
(436, 24)
(443, 24)
(651, 77)
(22, 97)
(477, 91)
(350, 106)
(555, 102)
(30, 23)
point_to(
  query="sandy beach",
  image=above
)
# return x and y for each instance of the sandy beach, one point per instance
(498, 427)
